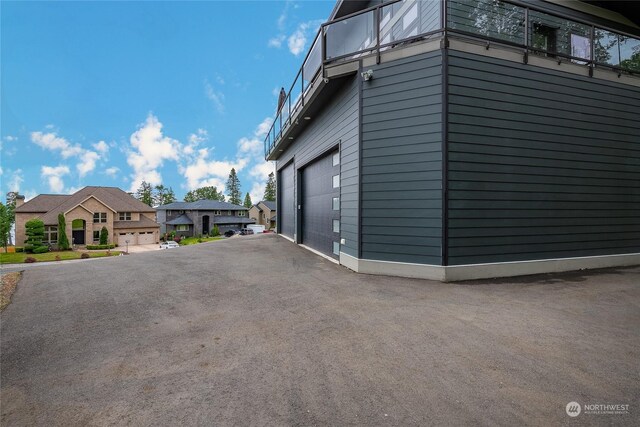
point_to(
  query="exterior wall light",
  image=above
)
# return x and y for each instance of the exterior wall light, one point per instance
(367, 75)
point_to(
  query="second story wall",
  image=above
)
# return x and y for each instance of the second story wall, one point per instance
(402, 161)
(542, 163)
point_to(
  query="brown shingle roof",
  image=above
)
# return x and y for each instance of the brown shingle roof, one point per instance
(113, 197)
(43, 203)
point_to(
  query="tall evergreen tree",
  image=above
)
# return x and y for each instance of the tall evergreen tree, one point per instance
(163, 195)
(145, 193)
(204, 193)
(5, 226)
(233, 188)
(34, 229)
(270, 188)
(63, 240)
(247, 201)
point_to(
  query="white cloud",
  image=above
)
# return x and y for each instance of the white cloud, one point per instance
(112, 171)
(15, 181)
(214, 96)
(150, 149)
(297, 41)
(10, 138)
(101, 147)
(50, 141)
(54, 175)
(257, 191)
(276, 41)
(262, 169)
(202, 172)
(87, 163)
(263, 128)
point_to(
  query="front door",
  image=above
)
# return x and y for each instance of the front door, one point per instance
(205, 224)
(78, 237)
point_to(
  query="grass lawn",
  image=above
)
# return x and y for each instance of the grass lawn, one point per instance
(18, 258)
(194, 240)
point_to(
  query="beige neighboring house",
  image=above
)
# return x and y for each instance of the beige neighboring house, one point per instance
(264, 213)
(86, 212)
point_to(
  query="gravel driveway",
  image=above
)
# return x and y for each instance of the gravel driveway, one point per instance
(257, 331)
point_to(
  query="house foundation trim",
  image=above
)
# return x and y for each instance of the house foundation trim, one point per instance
(455, 273)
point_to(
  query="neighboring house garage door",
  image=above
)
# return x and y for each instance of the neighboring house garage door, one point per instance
(288, 213)
(321, 205)
(146, 238)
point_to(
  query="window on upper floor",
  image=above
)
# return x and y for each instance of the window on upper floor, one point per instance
(99, 217)
(217, 213)
(125, 216)
(242, 213)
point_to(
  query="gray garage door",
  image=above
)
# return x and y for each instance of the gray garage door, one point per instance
(287, 223)
(321, 205)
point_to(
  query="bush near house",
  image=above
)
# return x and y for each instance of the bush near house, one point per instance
(104, 236)
(100, 246)
(63, 240)
(216, 230)
(35, 235)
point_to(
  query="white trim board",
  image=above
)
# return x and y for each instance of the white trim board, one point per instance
(454, 273)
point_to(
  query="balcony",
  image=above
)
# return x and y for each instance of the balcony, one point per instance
(394, 24)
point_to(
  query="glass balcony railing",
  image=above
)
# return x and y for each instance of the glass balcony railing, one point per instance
(398, 22)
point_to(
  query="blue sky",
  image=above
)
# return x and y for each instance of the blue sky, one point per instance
(113, 93)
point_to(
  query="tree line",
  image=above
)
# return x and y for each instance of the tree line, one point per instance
(160, 195)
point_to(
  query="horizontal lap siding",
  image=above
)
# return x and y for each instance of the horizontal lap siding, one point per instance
(402, 161)
(542, 164)
(336, 124)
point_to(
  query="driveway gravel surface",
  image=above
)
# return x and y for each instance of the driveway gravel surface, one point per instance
(258, 331)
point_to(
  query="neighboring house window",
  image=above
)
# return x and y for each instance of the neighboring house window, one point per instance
(242, 213)
(96, 236)
(100, 217)
(217, 213)
(230, 213)
(182, 228)
(125, 216)
(51, 234)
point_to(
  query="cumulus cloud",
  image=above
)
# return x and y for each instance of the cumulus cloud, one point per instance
(216, 97)
(297, 41)
(10, 138)
(112, 171)
(87, 163)
(87, 159)
(54, 175)
(101, 147)
(202, 171)
(52, 142)
(263, 128)
(150, 148)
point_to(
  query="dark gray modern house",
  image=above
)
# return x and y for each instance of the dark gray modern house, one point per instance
(465, 139)
(198, 218)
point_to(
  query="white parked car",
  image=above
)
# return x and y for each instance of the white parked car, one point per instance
(169, 245)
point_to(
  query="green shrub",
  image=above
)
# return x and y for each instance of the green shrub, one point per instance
(63, 240)
(40, 249)
(84, 255)
(93, 247)
(35, 234)
(216, 231)
(30, 259)
(19, 249)
(104, 236)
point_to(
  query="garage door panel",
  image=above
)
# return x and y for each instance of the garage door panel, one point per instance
(317, 207)
(146, 238)
(287, 201)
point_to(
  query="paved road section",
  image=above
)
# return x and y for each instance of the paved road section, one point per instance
(257, 331)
